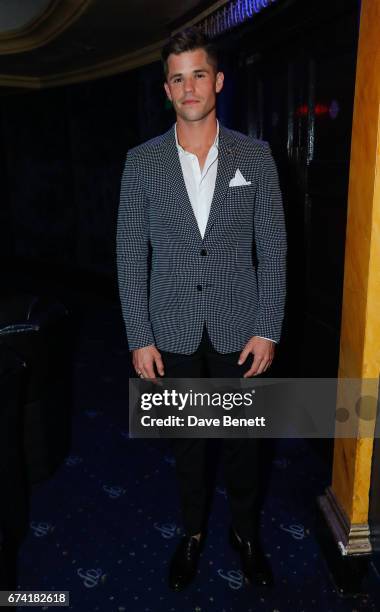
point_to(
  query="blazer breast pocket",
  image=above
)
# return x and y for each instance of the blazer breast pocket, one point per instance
(239, 204)
(243, 193)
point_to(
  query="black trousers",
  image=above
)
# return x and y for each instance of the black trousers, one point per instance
(239, 455)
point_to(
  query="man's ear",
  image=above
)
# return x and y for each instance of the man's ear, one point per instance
(166, 86)
(219, 81)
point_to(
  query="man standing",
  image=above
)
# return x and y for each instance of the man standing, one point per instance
(201, 249)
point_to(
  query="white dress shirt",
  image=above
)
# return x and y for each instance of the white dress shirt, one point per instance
(200, 184)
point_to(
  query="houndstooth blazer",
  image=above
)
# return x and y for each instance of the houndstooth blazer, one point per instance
(171, 281)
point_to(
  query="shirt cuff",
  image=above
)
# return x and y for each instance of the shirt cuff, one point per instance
(267, 339)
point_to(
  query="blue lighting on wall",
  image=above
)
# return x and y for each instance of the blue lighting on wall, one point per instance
(231, 15)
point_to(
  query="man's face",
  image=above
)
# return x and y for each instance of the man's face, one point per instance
(192, 84)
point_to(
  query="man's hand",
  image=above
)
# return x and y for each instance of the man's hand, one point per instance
(144, 359)
(263, 351)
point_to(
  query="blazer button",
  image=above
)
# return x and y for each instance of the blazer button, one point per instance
(199, 287)
(204, 252)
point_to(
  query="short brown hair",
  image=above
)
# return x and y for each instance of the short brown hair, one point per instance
(189, 39)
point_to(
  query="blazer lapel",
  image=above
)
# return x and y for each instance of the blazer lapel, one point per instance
(173, 170)
(226, 157)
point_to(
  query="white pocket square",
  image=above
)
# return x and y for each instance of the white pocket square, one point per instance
(238, 180)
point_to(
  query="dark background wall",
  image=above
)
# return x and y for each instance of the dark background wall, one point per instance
(295, 81)
(289, 80)
(63, 151)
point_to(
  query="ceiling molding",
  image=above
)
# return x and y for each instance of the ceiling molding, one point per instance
(211, 9)
(54, 20)
(106, 68)
(117, 65)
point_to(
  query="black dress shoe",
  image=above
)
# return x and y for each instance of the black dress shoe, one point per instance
(184, 563)
(254, 564)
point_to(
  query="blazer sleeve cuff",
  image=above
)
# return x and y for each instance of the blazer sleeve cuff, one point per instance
(269, 325)
(139, 336)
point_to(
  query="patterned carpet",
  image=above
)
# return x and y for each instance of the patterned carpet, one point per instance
(104, 527)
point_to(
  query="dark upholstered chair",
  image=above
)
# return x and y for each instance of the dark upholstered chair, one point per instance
(38, 329)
